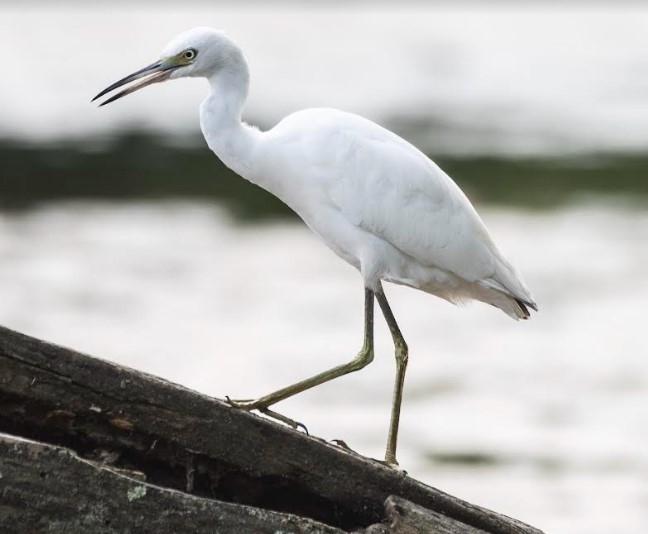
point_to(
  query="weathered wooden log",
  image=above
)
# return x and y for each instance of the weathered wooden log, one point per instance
(195, 455)
(50, 489)
(405, 517)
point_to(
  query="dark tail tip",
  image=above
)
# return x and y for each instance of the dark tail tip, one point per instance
(523, 308)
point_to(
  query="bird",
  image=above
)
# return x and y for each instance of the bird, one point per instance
(375, 199)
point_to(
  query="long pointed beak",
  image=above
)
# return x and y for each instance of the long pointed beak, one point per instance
(154, 73)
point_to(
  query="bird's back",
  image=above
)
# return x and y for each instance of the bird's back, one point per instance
(385, 188)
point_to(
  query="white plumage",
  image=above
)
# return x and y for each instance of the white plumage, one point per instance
(372, 197)
(384, 207)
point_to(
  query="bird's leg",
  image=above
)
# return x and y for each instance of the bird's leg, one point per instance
(364, 358)
(401, 365)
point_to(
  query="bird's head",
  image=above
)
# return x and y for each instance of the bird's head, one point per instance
(197, 52)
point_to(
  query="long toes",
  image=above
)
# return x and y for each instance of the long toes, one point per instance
(286, 420)
(249, 405)
(342, 444)
(243, 404)
(392, 464)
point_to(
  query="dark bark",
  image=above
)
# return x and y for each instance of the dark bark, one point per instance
(50, 489)
(177, 439)
(405, 517)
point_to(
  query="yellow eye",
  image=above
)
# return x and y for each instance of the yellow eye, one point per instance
(189, 54)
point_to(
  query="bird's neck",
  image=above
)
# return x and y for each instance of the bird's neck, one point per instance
(220, 118)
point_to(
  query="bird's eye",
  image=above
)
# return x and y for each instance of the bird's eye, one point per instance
(189, 54)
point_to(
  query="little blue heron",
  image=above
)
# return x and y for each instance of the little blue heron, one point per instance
(377, 201)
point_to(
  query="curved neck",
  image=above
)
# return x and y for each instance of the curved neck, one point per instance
(220, 117)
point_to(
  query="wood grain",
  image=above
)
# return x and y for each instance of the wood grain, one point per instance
(180, 440)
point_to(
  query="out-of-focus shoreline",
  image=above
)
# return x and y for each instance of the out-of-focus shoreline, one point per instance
(141, 165)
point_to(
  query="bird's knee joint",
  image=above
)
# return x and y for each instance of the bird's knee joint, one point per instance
(402, 353)
(364, 358)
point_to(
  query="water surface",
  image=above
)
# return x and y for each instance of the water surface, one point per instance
(545, 420)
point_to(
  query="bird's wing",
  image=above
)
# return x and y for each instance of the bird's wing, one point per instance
(389, 188)
(384, 185)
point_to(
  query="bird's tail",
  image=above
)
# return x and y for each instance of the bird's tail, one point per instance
(524, 310)
(507, 291)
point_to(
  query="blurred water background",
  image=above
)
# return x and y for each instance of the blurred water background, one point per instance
(121, 235)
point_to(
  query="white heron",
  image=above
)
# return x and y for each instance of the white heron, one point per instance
(377, 201)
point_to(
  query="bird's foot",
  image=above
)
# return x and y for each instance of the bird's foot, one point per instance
(342, 444)
(392, 464)
(249, 405)
(243, 404)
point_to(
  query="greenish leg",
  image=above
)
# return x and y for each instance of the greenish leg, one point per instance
(364, 358)
(401, 365)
